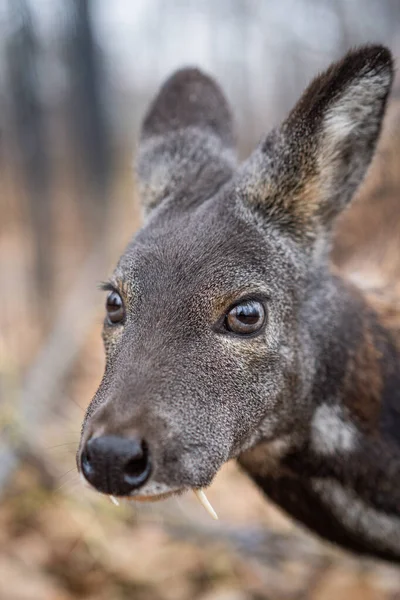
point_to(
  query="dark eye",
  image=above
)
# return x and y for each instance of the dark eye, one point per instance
(115, 307)
(245, 318)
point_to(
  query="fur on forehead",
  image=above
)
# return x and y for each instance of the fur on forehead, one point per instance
(215, 244)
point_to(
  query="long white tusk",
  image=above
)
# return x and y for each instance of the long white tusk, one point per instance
(202, 498)
(114, 500)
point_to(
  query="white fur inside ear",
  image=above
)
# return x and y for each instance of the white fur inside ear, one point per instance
(338, 124)
(331, 433)
(358, 107)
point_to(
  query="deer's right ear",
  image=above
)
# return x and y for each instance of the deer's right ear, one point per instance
(306, 172)
(186, 147)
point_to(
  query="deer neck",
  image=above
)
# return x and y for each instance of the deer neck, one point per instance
(340, 474)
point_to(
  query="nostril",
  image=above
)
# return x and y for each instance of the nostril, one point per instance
(137, 468)
(86, 462)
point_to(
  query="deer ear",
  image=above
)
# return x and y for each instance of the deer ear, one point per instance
(307, 171)
(186, 148)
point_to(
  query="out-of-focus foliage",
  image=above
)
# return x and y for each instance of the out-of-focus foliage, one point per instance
(75, 78)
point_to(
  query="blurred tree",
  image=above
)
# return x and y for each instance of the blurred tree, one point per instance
(31, 142)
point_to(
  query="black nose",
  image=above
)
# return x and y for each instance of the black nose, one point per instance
(116, 465)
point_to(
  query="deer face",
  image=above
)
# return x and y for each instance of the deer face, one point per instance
(207, 334)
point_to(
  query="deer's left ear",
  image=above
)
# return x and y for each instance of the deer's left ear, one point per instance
(307, 171)
(186, 147)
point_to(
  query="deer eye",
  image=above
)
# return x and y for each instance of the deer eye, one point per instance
(115, 307)
(245, 318)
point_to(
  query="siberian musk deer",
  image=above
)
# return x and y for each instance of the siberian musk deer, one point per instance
(229, 334)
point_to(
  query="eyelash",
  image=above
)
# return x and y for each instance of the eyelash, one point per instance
(107, 286)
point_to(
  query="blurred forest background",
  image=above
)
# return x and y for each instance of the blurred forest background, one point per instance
(75, 77)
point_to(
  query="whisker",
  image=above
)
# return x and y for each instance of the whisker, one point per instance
(77, 404)
(62, 453)
(71, 482)
(67, 472)
(61, 445)
(66, 431)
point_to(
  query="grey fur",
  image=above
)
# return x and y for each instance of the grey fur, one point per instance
(216, 232)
